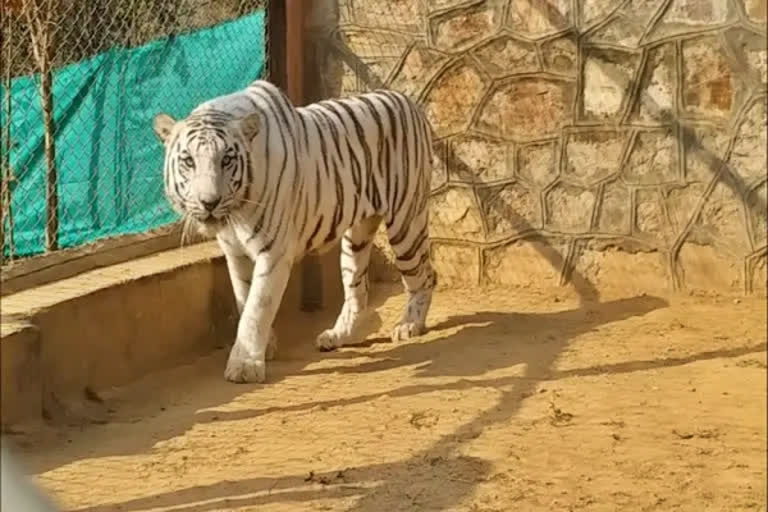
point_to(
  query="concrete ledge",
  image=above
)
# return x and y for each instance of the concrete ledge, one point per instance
(64, 341)
(26, 273)
(109, 326)
(20, 379)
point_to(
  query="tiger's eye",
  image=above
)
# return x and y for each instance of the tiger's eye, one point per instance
(226, 160)
(189, 161)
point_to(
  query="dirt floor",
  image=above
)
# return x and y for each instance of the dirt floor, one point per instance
(515, 400)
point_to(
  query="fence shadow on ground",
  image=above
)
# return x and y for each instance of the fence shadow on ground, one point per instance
(486, 341)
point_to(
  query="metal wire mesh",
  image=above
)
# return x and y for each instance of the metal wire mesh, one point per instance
(81, 82)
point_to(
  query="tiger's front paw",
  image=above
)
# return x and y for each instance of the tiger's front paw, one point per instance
(329, 340)
(241, 367)
(242, 371)
(407, 330)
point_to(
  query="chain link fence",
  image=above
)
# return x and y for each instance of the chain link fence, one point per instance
(81, 83)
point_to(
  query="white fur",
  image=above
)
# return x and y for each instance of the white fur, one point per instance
(264, 228)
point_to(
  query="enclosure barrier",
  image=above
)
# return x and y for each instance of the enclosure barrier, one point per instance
(521, 93)
(81, 82)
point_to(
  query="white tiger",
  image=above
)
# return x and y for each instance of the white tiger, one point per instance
(274, 182)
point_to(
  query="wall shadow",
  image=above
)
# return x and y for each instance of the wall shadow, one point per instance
(485, 341)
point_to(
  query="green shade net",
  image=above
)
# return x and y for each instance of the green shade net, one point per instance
(108, 158)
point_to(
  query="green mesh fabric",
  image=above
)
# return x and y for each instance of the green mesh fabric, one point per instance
(108, 159)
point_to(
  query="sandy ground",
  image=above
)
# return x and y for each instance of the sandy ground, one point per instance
(515, 400)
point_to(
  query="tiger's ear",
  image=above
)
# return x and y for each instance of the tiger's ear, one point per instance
(163, 125)
(250, 125)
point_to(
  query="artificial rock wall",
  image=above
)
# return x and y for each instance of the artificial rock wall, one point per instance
(591, 142)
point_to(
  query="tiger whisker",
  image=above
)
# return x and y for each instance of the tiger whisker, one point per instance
(250, 201)
(237, 219)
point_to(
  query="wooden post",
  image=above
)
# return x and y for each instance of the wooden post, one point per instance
(286, 70)
(6, 179)
(294, 50)
(6, 212)
(295, 16)
(276, 42)
(42, 32)
(51, 174)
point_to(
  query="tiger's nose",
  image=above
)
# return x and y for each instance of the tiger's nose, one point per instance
(210, 203)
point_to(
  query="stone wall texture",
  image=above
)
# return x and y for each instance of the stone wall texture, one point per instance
(601, 142)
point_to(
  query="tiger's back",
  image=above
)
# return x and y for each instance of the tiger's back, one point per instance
(369, 156)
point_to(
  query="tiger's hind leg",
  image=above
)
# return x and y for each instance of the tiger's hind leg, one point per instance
(410, 243)
(355, 258)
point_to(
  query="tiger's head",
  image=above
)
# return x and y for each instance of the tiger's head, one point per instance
(206, 164)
